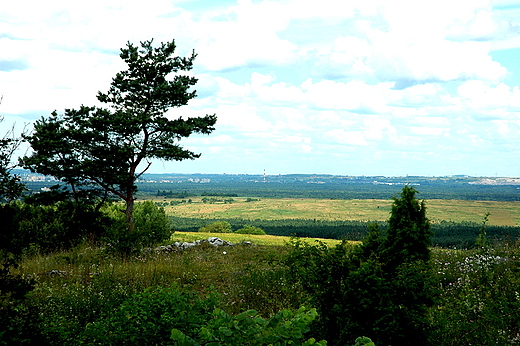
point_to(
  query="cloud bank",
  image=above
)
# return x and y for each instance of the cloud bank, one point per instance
(355, 88)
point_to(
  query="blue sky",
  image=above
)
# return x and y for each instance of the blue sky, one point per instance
(358, 87)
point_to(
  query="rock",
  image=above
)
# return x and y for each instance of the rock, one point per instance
(57, 273)
(215, 241)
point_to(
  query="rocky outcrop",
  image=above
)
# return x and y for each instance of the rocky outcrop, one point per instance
(214, 241)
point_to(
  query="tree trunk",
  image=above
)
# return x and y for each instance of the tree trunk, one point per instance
(130, 197)
(129, 212)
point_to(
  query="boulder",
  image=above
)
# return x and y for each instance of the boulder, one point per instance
(214, 241)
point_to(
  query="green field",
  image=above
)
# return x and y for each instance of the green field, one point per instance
(268, 240)
(501, 213)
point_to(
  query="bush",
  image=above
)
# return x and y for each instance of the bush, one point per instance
(19, 321)
(152, 226)
(217, 227)
(67, 308)
(48, 228)
(479, 299)
(247, 328)
(152, 221)
(251, 230)
(267, 289)
(148, 318)
(381, 288)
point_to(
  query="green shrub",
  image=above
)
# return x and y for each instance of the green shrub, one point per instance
(48, 228)
(19, 322)
(267, 289)
(217, 227)
(363, 341)
(152, 226)
(67, 308)
(148, 318)
(381, 288)
(248, 229)
(247, 328)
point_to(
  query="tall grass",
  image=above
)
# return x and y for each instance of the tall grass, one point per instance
(478, 300)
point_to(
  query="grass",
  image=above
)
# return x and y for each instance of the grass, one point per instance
(87, 273)
(245, 276)
(265, 240)
(90, 281)
(250, 277)
(203, 266)
(501, 213)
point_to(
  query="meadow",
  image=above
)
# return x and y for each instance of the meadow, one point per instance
(501, 213)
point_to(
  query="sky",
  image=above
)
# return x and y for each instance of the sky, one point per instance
(358, 87)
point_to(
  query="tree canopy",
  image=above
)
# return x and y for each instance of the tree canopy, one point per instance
(106, 149)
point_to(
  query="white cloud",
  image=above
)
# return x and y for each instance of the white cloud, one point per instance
(480, 95)
(352, 95)
(428, 131)
(409, 40)
(241, 117)
(290, 78)
(248, 36)
(297, 142)
(376, 128)
(214, 140)
(352, 138)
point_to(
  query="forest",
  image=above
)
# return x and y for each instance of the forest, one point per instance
(91, 255)
(335, 188)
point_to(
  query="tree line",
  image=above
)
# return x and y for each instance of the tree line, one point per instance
(352, 190)
(446, 234)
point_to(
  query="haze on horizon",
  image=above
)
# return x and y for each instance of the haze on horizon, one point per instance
(365, 87)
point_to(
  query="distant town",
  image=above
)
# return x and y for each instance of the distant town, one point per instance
(177, 178)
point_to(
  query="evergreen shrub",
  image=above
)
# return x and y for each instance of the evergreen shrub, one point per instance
(217, 227)
(248, 229)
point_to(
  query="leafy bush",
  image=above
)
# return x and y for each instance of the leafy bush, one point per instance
(67, 308)
(152, 226)
(217, 227)
(248, 229)
(149, 317)
(247, 328)
(267, 289)
(48, 228)
(363, 341)
(19, 321)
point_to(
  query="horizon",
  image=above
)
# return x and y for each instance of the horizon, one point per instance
(16, 171)
(364, 88)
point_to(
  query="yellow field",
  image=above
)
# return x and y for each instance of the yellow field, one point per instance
(501, 213)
